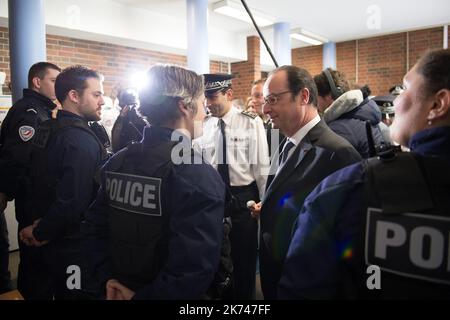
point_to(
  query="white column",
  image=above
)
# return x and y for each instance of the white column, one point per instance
(282, 43)
(197, 33)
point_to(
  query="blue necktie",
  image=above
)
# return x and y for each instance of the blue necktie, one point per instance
(284, 154)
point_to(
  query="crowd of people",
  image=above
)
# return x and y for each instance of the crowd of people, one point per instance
(309, 179)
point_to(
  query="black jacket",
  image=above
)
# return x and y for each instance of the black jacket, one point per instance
(319, 154)
(17, 131)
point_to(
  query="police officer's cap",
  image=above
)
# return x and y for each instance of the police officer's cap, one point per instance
(217, 82)
(386, 103)
(396, 90)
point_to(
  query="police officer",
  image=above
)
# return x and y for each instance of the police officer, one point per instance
(66, 155)
(235, 143)
(160, 206)
(380, 228)
(17, 132)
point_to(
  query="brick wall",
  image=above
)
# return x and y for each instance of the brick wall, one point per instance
(248, 71)
(309, 58)
(422, 40)
(382, 61)
(4, 57)
(346, 59)
(116, 63)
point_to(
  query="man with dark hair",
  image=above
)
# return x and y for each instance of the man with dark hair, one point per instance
(379, 229)
(161, 210)
(66, 155)
(19, 127)
(17, 132)
(235, 143)
(311, 152)
(346, 111)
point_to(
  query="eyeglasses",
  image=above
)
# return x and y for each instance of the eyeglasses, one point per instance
(273, 97)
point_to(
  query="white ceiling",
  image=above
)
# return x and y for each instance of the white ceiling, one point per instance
(335, 20)
(160, 25)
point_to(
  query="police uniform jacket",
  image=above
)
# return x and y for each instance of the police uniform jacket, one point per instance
(192, 200)
(247, 150)
(17, 131)
(321, 261)
(74, 156)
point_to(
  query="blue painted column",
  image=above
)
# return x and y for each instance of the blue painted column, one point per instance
(282, 43)
(27, 43)
(329, 55)
(197, 36)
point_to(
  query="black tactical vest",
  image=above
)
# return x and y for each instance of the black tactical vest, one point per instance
(134, 181)
(405, 230)
(43, 186)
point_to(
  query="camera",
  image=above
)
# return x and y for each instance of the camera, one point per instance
(128, 97)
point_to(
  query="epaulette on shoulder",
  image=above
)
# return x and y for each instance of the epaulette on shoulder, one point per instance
(250, 114)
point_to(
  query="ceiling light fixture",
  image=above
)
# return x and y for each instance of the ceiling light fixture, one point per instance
(236, 10)
(308, 37)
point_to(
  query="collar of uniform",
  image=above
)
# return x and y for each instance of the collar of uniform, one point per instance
(229, 115)
(297, 137)
(64, 113)
(28, 93)
(154, 135)
(434, 141)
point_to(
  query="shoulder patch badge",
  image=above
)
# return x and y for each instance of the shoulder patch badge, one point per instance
(26, 133)
(250, 114)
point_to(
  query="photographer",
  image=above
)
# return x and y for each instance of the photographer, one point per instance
(129, 125)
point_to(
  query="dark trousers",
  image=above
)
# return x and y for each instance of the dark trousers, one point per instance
(33, 279)
(5, 276)
(43, 271)
(244, 243)
(59, 256)
(270, 272)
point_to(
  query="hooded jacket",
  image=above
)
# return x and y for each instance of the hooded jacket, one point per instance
(347, 116)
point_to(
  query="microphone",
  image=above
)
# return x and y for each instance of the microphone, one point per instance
(250, 204)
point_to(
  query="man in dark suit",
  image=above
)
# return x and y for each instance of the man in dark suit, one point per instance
(310, 153)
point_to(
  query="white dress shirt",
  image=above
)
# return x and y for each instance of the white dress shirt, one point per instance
(297, 137)
(247, 150)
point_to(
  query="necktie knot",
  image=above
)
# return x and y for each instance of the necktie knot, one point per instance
(287, 147)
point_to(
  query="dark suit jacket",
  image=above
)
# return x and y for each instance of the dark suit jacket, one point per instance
(318, 155)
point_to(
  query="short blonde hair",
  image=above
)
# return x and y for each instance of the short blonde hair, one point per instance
(166, 86)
